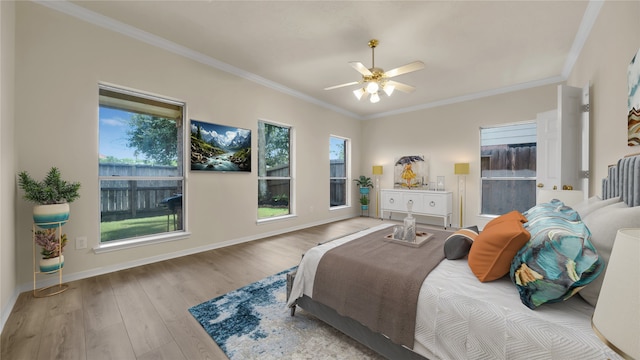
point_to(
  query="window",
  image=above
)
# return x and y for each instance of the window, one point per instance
(337, 171)
(274, 170)
(140, 166)
(508, 164)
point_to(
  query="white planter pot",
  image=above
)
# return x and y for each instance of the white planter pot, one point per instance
(49, 216)
(51, 265)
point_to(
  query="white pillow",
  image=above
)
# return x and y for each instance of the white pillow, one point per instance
(604, 224)
(592, 204)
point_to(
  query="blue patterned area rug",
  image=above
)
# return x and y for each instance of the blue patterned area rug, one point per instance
(253, 322)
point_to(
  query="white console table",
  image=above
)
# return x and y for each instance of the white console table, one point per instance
(425, 203)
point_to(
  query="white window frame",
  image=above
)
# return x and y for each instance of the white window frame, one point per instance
(103, 247)
(511, 178)
(290, 178)
(347, 170)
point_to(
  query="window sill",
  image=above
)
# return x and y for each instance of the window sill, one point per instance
(136, 242)
(340, 207)
(278, 218)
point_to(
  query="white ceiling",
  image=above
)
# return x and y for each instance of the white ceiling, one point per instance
(470, 48)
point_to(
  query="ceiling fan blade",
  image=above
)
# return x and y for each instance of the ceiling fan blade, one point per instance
(361, 68)
(414, 66)
(342, 85)
(400, 86)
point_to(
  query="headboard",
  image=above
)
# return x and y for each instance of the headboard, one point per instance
(624, 180)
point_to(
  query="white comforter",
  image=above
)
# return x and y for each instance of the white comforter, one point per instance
(459, 317)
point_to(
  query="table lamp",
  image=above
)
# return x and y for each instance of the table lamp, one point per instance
(616, 319)
(377, 171)
(461, 169)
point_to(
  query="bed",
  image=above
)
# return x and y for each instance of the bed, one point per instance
(459, 317)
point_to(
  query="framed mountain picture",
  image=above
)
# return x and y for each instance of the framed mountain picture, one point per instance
(221, 148)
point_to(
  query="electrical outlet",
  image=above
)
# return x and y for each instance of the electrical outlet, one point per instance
(81, 242)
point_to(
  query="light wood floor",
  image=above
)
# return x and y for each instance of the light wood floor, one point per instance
(141, 313)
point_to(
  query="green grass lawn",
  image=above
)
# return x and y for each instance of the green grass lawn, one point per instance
(268, 212)
(124, 229)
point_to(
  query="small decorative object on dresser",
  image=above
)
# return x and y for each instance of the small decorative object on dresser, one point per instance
(425, 203)
(440, 183)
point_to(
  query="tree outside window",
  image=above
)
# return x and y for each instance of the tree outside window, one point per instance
(274, 170)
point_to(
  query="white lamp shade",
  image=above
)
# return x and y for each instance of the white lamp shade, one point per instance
(358, 93)
(616, 319)
(374, 98)
(388, 89)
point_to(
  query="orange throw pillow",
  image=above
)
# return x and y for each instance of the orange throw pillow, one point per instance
(493, 250)
(510, 216)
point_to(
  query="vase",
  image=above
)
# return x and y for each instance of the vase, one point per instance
(52, 264)
(364, 190)
(51, 216)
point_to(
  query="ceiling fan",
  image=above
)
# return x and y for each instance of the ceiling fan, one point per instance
(376, 79)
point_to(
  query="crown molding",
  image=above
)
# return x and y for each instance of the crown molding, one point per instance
(588, 20)
(469, 97)
(154, 40)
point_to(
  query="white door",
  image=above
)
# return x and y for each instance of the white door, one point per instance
(570, 119)
(563, 143)
(547, 151)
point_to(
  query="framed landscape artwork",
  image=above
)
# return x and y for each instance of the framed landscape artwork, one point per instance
(220, 148)
(633, 119)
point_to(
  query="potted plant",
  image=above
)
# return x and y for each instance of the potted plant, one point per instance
(52, 258)
(364, 202)
(364, 183)
(52, 196)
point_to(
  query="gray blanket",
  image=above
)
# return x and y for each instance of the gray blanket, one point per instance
(377, 282)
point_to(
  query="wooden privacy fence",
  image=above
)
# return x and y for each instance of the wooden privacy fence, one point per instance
(508, 161)
(272, 190)
(508, 178)
(119, 203)
(337, 187)
(131, 199)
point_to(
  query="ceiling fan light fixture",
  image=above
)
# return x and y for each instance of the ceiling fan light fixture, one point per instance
(388, 89)
(375, 79)
(359, 93)
(372, 87)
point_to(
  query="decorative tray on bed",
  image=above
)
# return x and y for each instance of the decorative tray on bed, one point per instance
(421, 238)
